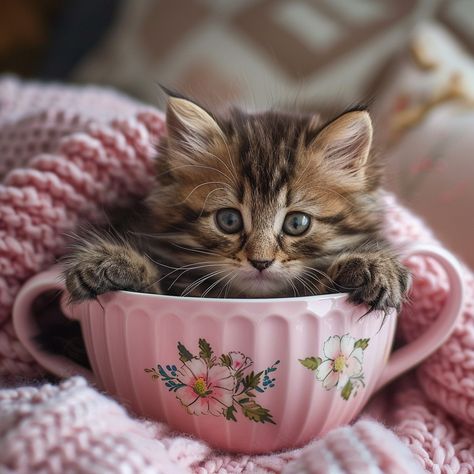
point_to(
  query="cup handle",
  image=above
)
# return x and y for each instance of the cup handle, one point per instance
(27, 328)
(413, 353)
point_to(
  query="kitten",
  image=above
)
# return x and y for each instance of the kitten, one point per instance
(251, 205)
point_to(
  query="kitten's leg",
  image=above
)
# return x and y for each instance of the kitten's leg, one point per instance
(100, 266)
(372, 275)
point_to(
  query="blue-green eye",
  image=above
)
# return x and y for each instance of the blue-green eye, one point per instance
(296, 223)
(229, 220)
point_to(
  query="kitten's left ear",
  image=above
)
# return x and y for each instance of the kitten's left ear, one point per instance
(345, 142)
(190, 123)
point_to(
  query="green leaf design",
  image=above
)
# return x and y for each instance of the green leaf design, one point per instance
(311, 363)
(255, 412)
(251, 380)
(229, 413)
(184, 354)
(226, 360)
(153, 372)
(362, 343)
(347, 390)
(205, 351)
(245, 387)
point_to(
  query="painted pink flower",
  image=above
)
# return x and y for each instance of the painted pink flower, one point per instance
(240, 361)
(342, 362)
(207, 390)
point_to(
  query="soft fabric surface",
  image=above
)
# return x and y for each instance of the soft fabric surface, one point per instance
(73, 160)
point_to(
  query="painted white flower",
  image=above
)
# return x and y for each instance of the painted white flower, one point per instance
(239, 361)
(342, 362)
(207, 390)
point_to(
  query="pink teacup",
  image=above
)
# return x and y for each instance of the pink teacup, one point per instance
(246, 375)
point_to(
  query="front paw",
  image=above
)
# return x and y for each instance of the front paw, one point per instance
(380, 281)
(96, 269)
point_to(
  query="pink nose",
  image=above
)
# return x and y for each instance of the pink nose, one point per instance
(261, 264)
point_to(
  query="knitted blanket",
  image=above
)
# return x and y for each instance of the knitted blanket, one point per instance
(66, 153)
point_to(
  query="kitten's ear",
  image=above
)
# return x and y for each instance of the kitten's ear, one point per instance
(189, 123)
(345, 142)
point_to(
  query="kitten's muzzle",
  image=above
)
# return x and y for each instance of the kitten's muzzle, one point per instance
(261, 264)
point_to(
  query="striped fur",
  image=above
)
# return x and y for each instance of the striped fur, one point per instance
(265, 166)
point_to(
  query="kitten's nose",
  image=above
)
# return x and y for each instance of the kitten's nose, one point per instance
(261, 264)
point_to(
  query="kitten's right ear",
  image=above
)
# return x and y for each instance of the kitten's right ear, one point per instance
(190, 124)
(346, 141)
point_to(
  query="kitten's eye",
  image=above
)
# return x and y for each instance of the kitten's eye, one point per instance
(296, 223)
(229, 220)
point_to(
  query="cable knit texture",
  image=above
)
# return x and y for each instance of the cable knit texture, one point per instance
(66, 153)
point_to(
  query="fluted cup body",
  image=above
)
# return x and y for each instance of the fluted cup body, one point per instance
(244, 375)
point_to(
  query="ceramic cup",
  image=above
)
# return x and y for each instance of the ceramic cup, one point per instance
(245, 375)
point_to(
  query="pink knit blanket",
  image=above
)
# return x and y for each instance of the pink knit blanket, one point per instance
(65, 154)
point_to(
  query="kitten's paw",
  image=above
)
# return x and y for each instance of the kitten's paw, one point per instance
(95, 269)
(380, 281)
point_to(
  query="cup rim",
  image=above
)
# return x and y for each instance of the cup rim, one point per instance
(206, 299)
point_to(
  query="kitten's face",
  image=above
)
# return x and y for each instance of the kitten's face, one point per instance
(253, 203)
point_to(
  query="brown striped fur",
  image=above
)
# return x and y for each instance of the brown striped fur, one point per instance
(265, 165)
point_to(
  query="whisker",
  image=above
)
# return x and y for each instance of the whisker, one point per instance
(194, 284)
(289, 280)
(195, 166)
(162, 264)
(295, 289)
(319, 272)
(302, 282)
(226, 287)
(232, 173)
(200, 281)
(156, 236)
(200, 186)
(212, 155)
(177, 268)
(314, 278)
(229, 154)
(184, 269)
(303, 173)
(334, 285)
(190, 269)
(315, 287)
(207, 197)
(335, 192)
(189, 266)
(226, 292)
(214, 285)
(205, 252)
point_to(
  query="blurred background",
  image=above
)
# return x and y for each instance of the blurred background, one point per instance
(315, 53)
(410, 60)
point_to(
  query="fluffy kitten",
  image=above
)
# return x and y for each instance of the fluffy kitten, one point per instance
(251, 205)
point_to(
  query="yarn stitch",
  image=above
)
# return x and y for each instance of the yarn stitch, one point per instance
(66, 153)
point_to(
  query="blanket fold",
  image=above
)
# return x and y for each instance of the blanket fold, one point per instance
(66, 153)
(72, 428)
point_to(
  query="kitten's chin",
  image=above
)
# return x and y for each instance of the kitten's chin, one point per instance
(259, 286)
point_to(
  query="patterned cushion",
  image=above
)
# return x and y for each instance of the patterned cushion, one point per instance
(425, 120)
(319, 54)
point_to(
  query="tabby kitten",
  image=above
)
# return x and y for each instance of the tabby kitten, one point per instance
(251, 205)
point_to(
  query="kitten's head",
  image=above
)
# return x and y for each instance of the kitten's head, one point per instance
(256, 201)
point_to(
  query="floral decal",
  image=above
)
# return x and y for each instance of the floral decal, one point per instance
(219, 386)
(341, 367)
